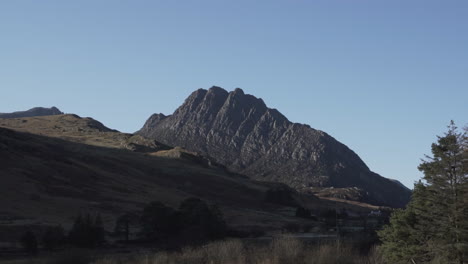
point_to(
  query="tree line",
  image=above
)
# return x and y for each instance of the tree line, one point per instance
(193, 222)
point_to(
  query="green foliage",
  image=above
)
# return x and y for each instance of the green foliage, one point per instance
(434, 225)
(403, 238)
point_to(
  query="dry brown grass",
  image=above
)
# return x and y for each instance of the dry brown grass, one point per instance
(283, 250)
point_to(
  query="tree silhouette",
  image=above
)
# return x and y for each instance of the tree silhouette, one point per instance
(124, 224)
(157, 221)
(87, 232)
(200, 221)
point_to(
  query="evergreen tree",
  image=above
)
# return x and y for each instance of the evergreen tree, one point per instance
(446, 176)
(406, 238)
(434, 224)
(124, 224)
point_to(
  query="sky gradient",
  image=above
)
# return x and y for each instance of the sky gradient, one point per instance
(382, 77)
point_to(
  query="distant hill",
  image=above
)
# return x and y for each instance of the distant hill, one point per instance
(82, 130)
(239, 131)
(36, 111)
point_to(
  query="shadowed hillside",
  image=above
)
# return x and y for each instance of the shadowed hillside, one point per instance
(47, 180)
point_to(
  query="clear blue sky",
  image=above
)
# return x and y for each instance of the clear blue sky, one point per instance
(383, 77)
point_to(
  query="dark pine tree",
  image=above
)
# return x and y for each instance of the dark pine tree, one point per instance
(434, 225)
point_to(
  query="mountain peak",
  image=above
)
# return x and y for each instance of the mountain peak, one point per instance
(239, 91)
(217, 89)
(240, 132)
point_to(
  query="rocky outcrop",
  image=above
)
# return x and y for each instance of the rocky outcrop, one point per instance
(36, 111)
(239, 131)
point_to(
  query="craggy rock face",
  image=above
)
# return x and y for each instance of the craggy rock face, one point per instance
(36, 111)
(242, 133)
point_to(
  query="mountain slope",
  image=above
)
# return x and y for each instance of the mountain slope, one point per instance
(82, 130)
(45, 180)
(242, 133)
(36, 111)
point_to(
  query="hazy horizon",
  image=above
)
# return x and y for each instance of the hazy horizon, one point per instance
(383, 78)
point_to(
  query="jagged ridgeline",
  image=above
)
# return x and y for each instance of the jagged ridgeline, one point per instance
(239, 131)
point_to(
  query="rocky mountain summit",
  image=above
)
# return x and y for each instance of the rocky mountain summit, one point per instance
(239, 131)
(36, 111)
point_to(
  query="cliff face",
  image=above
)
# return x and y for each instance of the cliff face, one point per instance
(242, 133)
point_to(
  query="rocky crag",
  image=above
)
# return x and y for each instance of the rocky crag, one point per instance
(239, 131)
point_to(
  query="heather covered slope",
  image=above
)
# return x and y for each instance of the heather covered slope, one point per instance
(239, 131)
(36, 111)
